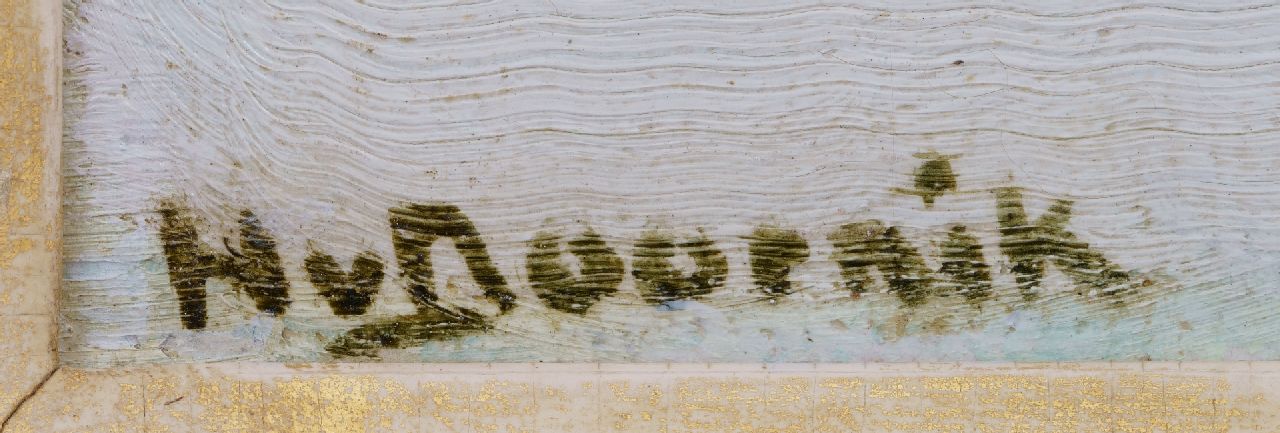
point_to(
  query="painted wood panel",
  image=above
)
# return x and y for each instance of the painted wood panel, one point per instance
(669, 182)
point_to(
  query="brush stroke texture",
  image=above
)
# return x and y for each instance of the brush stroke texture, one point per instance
(1156, 120)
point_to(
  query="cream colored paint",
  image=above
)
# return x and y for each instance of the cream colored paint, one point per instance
(1157, 120)
(1231, 397)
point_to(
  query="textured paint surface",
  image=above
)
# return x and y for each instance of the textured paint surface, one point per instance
(349, 293)
(235, 397)
(600, 273)
(774, 251)
(1028, 181)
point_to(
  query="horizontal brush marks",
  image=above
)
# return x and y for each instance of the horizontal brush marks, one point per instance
(254, 269)
(600, 271)
(965, 267)
(862, 250)
(774, 251)
(809, 181)
(660, 282)
(416, 227)
(349, 293)
(866, 246)
(1029, 244)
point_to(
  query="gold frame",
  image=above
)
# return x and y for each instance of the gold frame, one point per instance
(30, 249)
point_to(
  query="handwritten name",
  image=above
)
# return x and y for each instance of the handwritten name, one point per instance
(861, 247)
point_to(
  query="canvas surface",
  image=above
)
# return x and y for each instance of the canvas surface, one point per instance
(657, 181)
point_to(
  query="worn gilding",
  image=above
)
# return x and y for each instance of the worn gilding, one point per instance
(29, 232)
(679, 398)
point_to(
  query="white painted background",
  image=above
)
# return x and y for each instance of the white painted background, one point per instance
(1158, 119)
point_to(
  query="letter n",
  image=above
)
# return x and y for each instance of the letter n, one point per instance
(861, 247)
